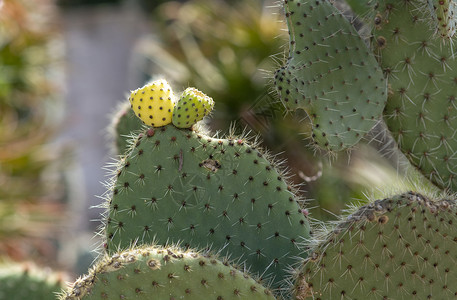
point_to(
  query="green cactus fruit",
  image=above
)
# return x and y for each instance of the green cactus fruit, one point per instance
(421, 112)
(444, 14)
(27, 281)
(404, 247)
(181, 186)
(124, 125)
(164, 274)
(331, 74)
(192, 107)
(153, 103)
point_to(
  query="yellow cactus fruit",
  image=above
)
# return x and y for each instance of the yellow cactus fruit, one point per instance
(153, 103)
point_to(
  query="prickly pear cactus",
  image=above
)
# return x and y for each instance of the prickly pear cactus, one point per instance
(331, 74)
(422, 72)
(26, 281)
(164, 273)
(399, 248)
(153, 103)
(179, 185)
(191, 108)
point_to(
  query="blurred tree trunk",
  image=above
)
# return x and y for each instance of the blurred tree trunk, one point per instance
(99, 41)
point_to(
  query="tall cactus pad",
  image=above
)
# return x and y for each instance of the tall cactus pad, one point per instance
(19, 282)
(184, 187)
(164, 273)
(399, 248)
(192, 107)
(153, 103)
(421, 111)
(331, 74)
(444, 17)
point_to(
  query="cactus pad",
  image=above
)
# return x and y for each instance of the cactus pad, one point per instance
(26, 281)
(164, 273)
(421, 111)
(181, 186)
(331, 74)
(192, 107)
(153, 103)
(399, 248)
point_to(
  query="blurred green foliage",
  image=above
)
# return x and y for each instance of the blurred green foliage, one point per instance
(75, 3)
(28, 196)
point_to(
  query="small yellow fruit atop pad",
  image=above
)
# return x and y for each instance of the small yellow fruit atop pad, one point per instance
(153, 103)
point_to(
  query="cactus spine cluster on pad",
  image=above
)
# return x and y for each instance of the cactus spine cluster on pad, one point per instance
(183, 186)
(404, 247)
(331, 74)
(421, 111)
(164, 273)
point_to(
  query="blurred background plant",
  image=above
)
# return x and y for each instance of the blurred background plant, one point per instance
(31, 194)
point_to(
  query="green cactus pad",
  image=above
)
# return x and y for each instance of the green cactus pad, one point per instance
(421, 111)
(164, 274)
(124, 124)
(185, 187)
(26, 281)
(331, 74)
(192, 107)
(399, 248)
